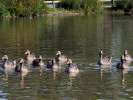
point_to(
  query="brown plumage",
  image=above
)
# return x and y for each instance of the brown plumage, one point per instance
(29, 56)
(7, 63)
(122, 64)
(21, 67)
(60, 57)
(126, 56)
(105, 60)
(52, 64)
(71, 68)
(38, 62)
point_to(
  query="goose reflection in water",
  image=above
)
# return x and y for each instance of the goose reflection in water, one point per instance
(123, 74)
(6, 72)
(41, 71)
(104, 69)
(5, 75)
(71, 76)
(22, 75)
(55, 70)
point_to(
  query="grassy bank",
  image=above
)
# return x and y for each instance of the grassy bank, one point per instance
(31, 8)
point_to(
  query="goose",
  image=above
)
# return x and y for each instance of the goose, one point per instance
(21, 67)
(29, 56)
(122, 64)
(105, 60)
(60, 57)
(38, 62)
(7, 63)
(71, 68)
(52, 64)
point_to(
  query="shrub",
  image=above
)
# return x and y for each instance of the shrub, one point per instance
(22, 7)
(126, 5)
(3, 10)
(71, 4)
(86, 5)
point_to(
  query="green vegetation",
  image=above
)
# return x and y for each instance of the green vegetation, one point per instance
(22, 8)
(28, 8)
(84, 5)
(126, 5)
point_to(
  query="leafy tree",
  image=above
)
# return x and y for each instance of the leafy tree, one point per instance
(86, 5)
(126, 5)
(22, 7)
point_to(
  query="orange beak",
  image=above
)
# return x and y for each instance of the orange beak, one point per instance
(57, 53)
(125, 52)
(3, 57)
(40, 57)
(21, 61)
(101, 52)
(26, 52)
(68, 62)
(123, 57)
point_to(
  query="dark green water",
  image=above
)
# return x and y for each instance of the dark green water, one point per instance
(78, 37)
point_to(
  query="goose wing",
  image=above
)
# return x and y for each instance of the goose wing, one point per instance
(107, 59)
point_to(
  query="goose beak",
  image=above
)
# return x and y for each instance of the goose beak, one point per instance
(57, 54)
(68, 62)
(40, 57)
(21, 61)
(122, 57)
(125, 52)
(26, 52)
(102, 52)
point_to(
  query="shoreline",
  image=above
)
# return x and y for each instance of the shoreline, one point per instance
(56, 13)
(67, 13)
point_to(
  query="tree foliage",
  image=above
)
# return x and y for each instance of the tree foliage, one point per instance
(22, 7)
(126, 5)
(86, 5)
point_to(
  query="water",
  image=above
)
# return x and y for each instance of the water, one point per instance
(78, 37)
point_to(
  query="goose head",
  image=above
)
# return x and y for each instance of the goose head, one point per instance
(40, 57)
(27, 52)
(21, 60)
(100, 53)
(5, 57)
(58, 53)
(69, 61)
(125, 52)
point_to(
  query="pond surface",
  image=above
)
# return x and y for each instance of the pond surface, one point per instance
(80, 38)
